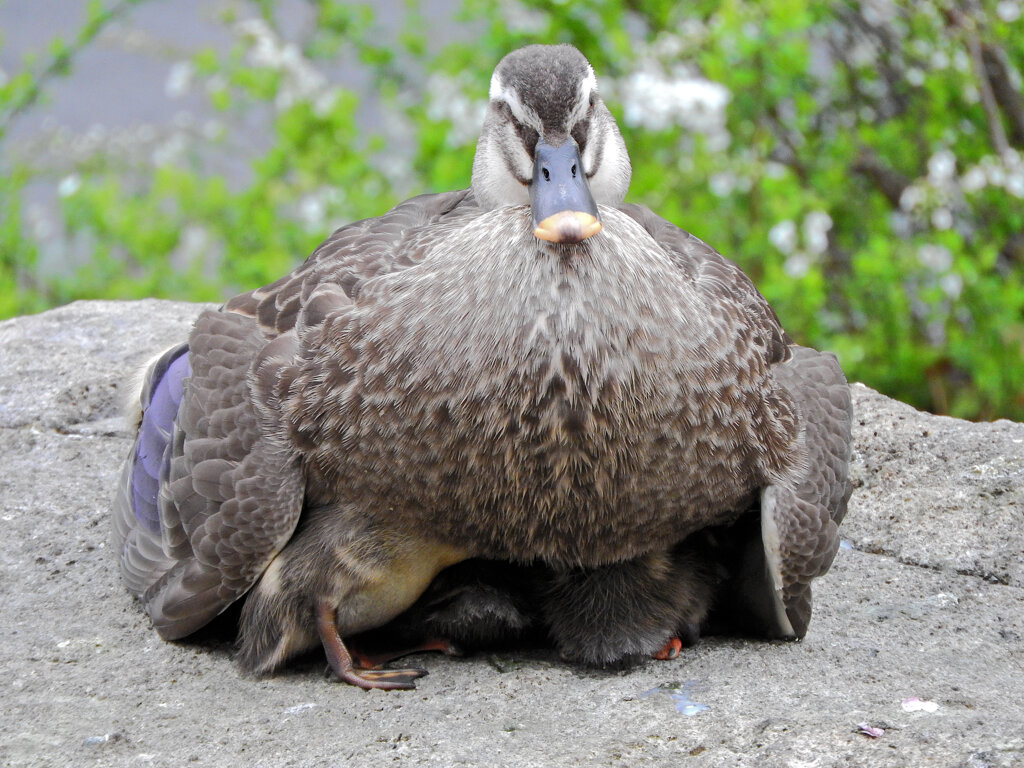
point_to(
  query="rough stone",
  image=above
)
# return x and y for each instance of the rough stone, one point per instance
(925, 599)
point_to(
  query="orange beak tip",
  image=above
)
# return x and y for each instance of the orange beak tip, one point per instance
(567, 227)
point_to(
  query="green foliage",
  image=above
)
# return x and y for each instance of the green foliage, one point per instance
(860, 161)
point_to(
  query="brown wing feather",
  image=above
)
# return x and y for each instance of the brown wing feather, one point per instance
(798, 535)
(807, 512)
(352, 255)
(234, 493)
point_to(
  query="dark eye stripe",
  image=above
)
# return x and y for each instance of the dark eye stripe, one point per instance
(579, 134)
(580, 131)
(527, 135)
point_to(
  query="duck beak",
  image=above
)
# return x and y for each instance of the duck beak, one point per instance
(564, 211)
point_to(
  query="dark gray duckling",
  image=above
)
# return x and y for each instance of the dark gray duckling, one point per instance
(527, 371)
(475, 605)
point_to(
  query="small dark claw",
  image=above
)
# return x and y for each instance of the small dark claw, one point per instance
(669, 650)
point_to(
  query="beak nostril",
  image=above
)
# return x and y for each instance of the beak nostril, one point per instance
(574, 170)
(547, 175)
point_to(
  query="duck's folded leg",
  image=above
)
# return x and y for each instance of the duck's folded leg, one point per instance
(341, 660)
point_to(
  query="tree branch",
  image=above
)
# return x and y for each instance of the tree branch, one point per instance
(889, 182)
(60, 62)
(1005, 92)
(996, 131)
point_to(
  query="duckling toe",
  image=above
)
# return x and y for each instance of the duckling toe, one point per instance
(670, 650)
(383, 679)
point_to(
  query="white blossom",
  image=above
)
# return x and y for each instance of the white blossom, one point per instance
(899, 222)
(939, 60)
(878, 13)
(952, 284)
(179, 79)
(668, 46)
(996, 174)
(936, 258)
(1015, 184)
(69, 185)
(942, 218)
(312, 211)
(170, 151)
(1008, 10)
(656, 100)
(797, 265)
(911, 197)
(301, 81)
(941, 167)
(973, 180)
(816, 227)
(446, 100)
(783, 236)
(722, 183)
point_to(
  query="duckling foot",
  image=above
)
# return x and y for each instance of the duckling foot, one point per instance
(341, 660)
(378, 659)
(669, 650)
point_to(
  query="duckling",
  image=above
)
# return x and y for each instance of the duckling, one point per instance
(475, 605)
(528, 371)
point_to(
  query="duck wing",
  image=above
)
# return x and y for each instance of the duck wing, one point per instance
(228, 492)
(213, 488)
(800, 515)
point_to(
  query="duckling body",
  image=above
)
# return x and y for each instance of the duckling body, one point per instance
(485, 375)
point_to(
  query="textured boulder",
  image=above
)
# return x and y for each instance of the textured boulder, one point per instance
(917, 635)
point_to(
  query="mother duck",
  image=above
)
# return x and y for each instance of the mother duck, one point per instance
(528, 371)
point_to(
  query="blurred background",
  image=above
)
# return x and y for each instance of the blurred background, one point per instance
(862, 161)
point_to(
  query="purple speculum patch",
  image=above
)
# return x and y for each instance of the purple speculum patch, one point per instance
(153, 444)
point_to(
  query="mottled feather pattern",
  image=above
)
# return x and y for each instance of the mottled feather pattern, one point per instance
(351, 255)
(579, 419)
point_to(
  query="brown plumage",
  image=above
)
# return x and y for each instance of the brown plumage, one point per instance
(439, 384)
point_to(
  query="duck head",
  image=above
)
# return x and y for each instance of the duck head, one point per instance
(550, 142)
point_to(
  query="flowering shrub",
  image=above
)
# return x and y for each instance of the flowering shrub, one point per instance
(862, 161)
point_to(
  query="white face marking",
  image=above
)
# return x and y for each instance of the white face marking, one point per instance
(588, 85)
(606, 150)
(521, 112)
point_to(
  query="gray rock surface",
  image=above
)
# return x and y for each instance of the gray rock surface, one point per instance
(925, 600)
